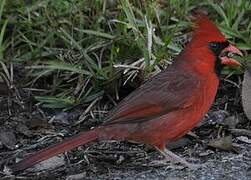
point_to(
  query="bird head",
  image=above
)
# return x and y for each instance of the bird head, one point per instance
(206, 35)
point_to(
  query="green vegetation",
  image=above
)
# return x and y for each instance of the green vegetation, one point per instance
(71, 52)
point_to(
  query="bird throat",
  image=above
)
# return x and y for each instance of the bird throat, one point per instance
(217, 48)
(218, 66)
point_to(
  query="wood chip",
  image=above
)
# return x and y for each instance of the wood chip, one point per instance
(224, 143)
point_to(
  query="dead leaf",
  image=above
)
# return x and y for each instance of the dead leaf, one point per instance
(224, 143)
(23, 129)
(246, 93)
(61, 118)
(49, 164)
(244, 139)
(37, 123)
(8, 138)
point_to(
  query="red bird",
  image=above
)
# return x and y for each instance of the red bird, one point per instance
(168, 105)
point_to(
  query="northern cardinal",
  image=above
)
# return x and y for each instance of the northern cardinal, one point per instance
(168, 105)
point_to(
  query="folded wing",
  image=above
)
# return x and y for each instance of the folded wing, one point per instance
(166, 92)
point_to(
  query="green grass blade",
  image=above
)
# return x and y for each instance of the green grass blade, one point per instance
(96, 33)
(2, 4)
(2, 48)
(58, 65)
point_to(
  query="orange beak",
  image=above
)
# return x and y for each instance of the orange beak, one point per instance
(229, 61)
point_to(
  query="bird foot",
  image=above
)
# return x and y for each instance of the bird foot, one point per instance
(168, 154)
(159, 163)
(173, 165)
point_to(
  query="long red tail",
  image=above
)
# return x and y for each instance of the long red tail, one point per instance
(61, 147)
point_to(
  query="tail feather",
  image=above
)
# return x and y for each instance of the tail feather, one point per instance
(61, 147)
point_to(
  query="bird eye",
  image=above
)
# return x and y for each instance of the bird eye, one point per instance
(214, 45)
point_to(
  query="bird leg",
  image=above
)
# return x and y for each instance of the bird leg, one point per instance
(168, 154)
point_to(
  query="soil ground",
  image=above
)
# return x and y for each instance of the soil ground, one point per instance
(221, 145)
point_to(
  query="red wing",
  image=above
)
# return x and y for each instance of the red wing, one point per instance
(166, 92)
